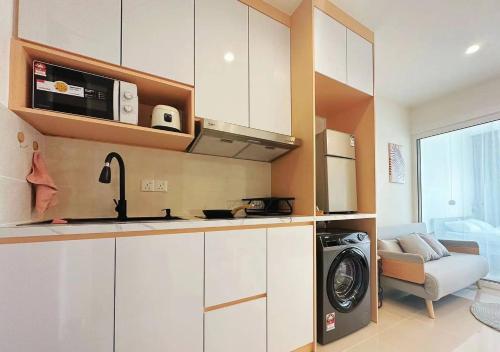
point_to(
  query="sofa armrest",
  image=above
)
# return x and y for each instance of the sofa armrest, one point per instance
(467, 247)
(403, 266)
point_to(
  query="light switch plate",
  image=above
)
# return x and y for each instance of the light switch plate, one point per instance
(147, 185)
(161, 185)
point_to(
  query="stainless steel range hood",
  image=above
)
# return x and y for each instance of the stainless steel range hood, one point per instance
(233, 141)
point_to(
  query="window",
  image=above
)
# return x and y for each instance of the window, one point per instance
(460, 188)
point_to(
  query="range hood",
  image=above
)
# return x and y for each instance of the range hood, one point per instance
(233, 141)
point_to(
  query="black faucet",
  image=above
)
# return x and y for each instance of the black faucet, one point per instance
(105, 177)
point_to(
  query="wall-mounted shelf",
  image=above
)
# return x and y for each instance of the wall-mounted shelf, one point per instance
(152, 91)
(73, 126)
(339, 217)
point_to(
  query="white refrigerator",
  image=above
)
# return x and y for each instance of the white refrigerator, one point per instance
(336, 172)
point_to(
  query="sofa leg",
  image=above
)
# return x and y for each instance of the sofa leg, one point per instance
(478, 284)
(430, 308)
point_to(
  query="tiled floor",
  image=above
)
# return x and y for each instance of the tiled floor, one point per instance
(404, 326)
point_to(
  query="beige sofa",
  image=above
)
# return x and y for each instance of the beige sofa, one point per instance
(430, 280)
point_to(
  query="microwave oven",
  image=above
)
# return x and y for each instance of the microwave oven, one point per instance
(71, 91)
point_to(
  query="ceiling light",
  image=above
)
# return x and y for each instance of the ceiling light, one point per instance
(472, 49)
(229, 57)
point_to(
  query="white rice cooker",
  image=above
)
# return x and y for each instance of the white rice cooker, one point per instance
(166, 118)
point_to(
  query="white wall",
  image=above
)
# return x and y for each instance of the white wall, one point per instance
(394, 201)
(15, 159)
(456, 109)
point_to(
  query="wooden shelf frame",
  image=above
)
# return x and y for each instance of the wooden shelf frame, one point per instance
(346, 109)
(340, 217)
(152, 91)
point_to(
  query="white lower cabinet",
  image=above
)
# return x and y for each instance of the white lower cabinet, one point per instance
(235, 265)
(159, 293)
(290, 285)
(241, 327)
(57, 296)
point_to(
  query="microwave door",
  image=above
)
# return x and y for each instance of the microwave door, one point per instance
(72, 91)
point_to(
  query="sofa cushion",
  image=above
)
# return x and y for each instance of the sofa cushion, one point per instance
(453, 273)
(435, 244)
(413, 243)
(389, 245)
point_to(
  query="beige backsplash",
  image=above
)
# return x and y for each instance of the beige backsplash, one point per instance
(195, 182)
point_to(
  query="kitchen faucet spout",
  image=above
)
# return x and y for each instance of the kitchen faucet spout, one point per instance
(105, 177)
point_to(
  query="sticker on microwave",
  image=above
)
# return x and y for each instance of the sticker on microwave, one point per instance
(40, 69)
(59, 87)
(330, 321)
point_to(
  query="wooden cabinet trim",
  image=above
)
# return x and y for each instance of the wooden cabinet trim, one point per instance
(238, 301)
(342, 17)
(90, 236)
(269, 11)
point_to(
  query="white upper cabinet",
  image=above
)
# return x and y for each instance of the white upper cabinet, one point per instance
(57, 296)
(290, 268)
(235, 265)
(159, 293)
(359, 63)
(330, 46)
(270, 91)
(221, 61)
(342, 54)
(90, 28)
(158, 38)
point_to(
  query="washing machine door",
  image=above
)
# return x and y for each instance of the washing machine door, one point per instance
(348, 280)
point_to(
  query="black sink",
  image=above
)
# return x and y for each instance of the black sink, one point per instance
(111, 220)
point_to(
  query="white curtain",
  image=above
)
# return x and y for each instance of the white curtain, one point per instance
(486, 171)
(460, 188)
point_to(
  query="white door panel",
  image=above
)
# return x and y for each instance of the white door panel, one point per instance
(359, 63)
(57, 296)
(221, 61)
(330, 39)
(241, 327)
(159, 293)
(235, 265)
(90, 28)
(270, 91)
(158, 38)
(290, 288)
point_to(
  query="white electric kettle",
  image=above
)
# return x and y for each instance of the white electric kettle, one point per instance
(166, 118)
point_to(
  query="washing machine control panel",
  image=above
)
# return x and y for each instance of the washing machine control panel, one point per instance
(336, 238)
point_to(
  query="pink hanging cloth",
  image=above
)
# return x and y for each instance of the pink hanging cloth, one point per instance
(45, 188)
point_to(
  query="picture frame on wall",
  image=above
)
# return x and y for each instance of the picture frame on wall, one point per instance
(397, 166)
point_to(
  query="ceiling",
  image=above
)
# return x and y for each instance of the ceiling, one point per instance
(420, 45)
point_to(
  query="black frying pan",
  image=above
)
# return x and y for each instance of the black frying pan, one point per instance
(223, 213)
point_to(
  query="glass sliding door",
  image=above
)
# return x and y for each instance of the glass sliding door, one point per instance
(460, 188)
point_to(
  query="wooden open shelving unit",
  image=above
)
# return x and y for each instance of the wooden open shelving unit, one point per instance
(151, 90)
(345, 109)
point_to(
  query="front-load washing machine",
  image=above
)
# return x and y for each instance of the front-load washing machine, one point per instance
(343, 279)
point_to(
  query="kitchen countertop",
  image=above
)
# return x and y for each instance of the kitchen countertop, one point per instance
(103, 228)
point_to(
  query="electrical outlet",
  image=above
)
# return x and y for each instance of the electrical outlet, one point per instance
(147, 185)
(161, 185)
